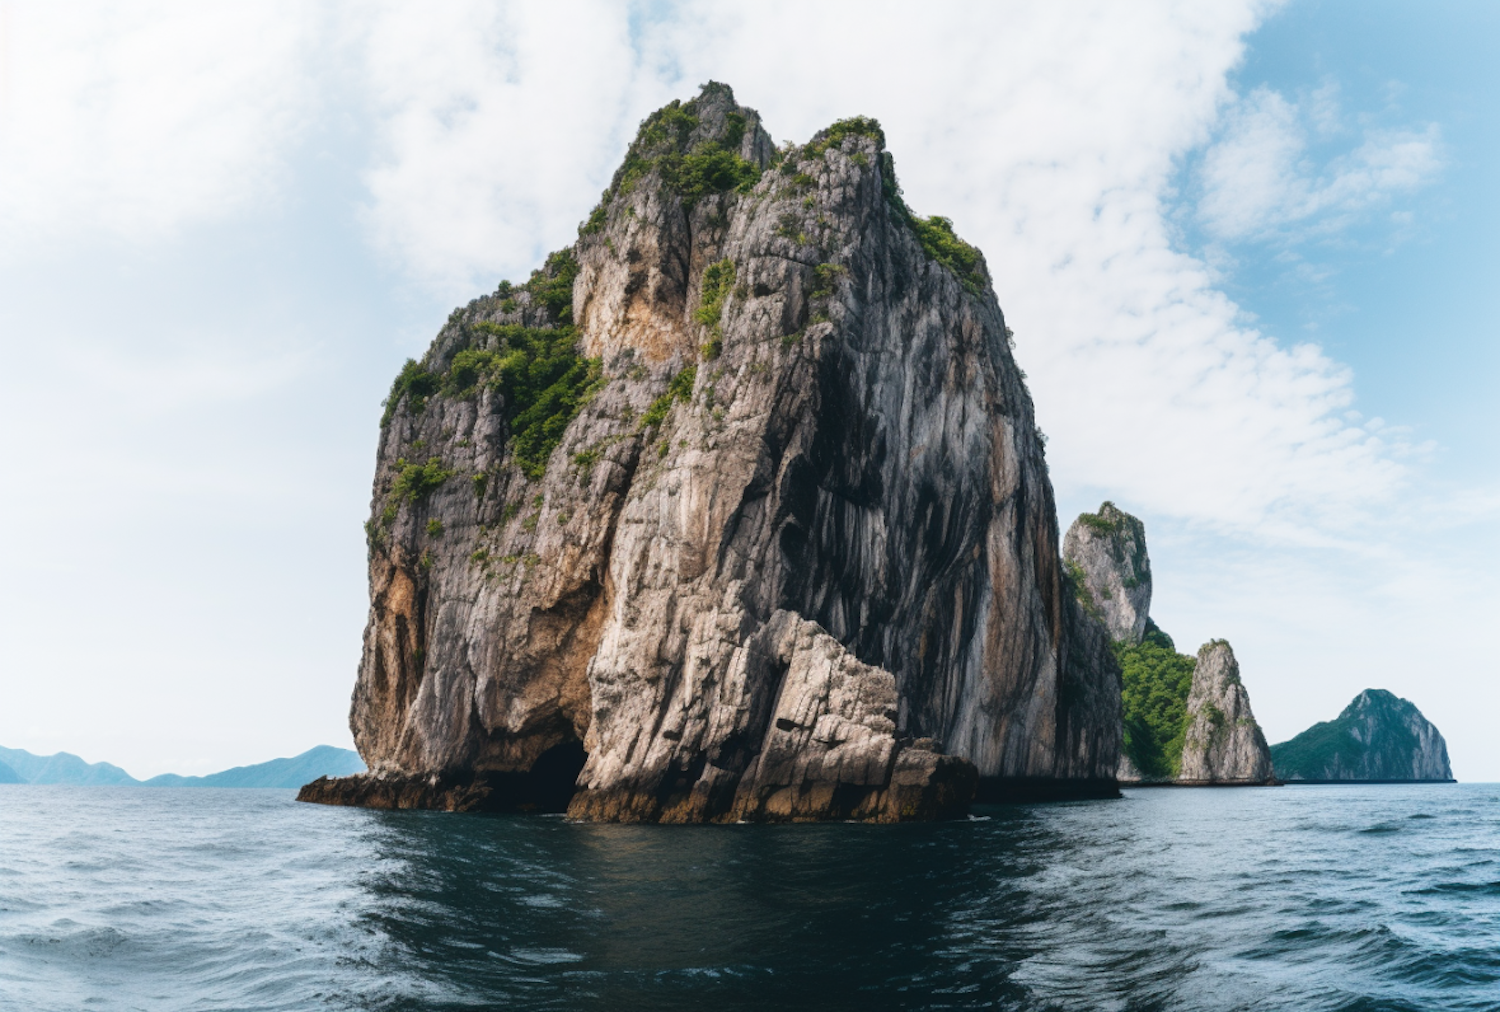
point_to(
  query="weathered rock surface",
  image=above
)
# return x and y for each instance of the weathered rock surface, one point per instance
(1223, 744)
(796, 555)
(1106, 552)
(1189, 731)
(1379, 736)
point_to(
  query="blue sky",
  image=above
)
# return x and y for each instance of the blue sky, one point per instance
(1407, 303)
(1244, 249)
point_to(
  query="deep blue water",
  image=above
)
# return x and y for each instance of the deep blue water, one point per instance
(1295, 898)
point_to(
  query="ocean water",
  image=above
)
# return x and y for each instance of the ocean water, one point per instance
(1294, 898)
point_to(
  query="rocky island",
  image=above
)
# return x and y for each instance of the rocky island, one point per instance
(1379, 738)
(737, 510)
(1187, 720)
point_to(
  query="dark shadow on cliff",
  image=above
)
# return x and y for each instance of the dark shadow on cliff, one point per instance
(546, 788)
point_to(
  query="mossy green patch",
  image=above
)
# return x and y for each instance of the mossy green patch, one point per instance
(833, 137)
(936, 234)
(414, 382)
(718, 282)
(544, 381)
(712, 165)
(551, 284)
(417, 481)
(943, 245)
(680, 388)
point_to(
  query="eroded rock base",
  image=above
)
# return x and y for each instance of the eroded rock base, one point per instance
(547, 787)
(923, 786)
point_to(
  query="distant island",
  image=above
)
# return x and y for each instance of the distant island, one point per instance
(17, 766)
(1379, 738)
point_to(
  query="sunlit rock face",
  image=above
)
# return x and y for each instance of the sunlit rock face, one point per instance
(1106, 552)
(1223, 744)
(777, 544)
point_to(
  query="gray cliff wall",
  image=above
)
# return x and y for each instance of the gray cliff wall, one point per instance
(1107, 552)
(1224, 744)
(824, 582)
(1378, 736)
(1106, 556)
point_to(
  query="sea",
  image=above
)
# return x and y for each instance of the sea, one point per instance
(1292, 898)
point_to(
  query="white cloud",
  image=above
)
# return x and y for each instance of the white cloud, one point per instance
(132, 121)
(497, 125)
(1260, 179)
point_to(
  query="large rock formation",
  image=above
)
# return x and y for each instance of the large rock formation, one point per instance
(1106, 555)
(1379, 737)
(1186, 721)
(1223, 743)
(776, 542)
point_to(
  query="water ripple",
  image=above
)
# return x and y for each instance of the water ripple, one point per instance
(1328, 899)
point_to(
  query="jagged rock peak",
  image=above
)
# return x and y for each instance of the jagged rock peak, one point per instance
(1223, 743)
(1378, 736)
(1106, 556)
(736, 509)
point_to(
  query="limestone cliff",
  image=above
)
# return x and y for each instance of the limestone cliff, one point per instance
(1379, 736)
(1223, 744)
(1185, 720)
(1106, 555)
(736, 510)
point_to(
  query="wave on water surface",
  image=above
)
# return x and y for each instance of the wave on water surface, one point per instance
(1370, 899)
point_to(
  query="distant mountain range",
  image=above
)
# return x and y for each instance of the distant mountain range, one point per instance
(17, 766)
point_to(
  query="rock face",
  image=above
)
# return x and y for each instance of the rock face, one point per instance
(788, 552)
(1223, 743)
(1379, 736)
(1106, 554)
(1186, 721)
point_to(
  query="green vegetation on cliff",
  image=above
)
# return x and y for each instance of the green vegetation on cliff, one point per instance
(1154, 698)
(414, 381)
(718, 280)
(712, 165)
(679, 388)
(538, 370)
(833, 137)
(551, 284)
(936, 234)
(541, 375)
(416, 481)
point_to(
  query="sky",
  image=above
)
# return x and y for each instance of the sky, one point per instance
(1247, 250)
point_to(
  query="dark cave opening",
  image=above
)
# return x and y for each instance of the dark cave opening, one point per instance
(554, 777)
(548, 786)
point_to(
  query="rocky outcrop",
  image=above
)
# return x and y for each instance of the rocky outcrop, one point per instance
(777, 542)
(1223, 743)
(1378, 737)
(1186, 721)
(1106, 556)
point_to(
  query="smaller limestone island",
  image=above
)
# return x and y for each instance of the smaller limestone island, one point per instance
(1379, 738)
(1187, 720)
